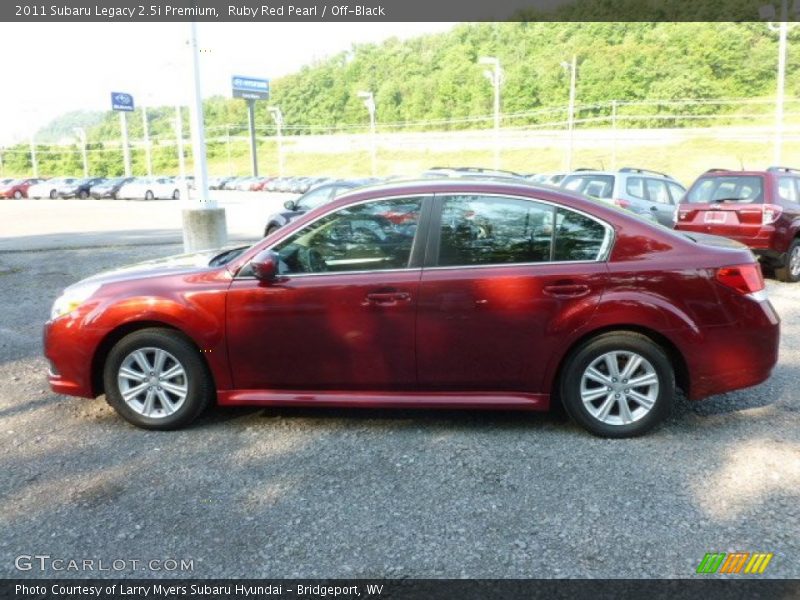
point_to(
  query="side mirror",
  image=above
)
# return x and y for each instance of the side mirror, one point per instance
(289, 205)
(265, 266)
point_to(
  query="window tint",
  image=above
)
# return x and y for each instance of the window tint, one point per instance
(676, 191)
(657, 191)
(577, 237)
(734, 188)
(787, 189)
(598, 186)
(480, 230)
(635, 187)
(375, 236)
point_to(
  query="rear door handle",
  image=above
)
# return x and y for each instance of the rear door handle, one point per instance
(566, 290)
(387, 298)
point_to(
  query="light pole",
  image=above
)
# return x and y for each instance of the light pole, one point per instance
(495, 76)
(277, 116)
(768, 12)
(34, 163)
(203, 224)
(148, 158)
(369, 102)
(81, 133)
(573, 69)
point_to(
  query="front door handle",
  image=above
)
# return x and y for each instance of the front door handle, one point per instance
(387, 298)
(566, 290)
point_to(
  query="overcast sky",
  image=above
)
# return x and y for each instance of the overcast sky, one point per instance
(52, 68)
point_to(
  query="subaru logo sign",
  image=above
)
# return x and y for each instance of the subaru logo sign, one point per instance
(121, 101)
(250, 88)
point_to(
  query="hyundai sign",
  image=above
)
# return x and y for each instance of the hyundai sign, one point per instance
(121, 101)
(250, 88)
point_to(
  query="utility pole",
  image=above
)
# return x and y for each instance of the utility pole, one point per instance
(494, 75)
(81, 133)
(573, 68)
(369, 102)
(34, 163)
(204, 225)
(277, 116)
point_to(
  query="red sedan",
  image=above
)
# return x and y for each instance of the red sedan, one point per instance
(472, 295)
(17, 188)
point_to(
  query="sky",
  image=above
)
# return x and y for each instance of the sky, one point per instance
(52, 68)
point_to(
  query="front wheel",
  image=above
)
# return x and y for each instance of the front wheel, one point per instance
(53, 194)
(790, 271)
(176, 195)
(83, 194)
(17, 194)
(618, 385)
(156, 379)
(148, 195)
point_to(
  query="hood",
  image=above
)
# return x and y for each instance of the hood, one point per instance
(170, 265)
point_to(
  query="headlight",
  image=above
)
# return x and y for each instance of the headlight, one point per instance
(72, 298)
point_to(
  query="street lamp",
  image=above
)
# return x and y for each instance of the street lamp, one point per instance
(277, 116)
(495, 76)
(573, 69)
(369, 102)
(768, 12)
(81, 133)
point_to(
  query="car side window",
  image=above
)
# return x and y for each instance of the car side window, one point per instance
(635, 187)
(487, 230)
(577, 237)
(657, 191)
(372, 236)
(787, 190)
(676, 191)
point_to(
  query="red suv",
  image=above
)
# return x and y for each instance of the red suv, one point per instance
(760, 209)
(456, 293)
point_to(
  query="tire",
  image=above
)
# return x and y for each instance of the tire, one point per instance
(176, 195)
(156, 407)
(83, 194)
(114, 196)
(148, 195)
(604, 391)
(53, 194)
(17, 195)
(271, 229)
(790, 271)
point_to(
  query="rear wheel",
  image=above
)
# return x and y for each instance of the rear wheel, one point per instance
(53, 194)
(176, 195)
(17, 194)
(156, 379)
(83, 194)
(790, 271)
(148, 195)
(618, 385)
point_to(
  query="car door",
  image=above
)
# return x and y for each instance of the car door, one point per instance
(342, 313)
(659, 201)
(505, 279)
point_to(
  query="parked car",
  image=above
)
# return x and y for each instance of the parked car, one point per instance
(216, 183)
(49, 187)
(650, 194)
(760, 209)
(550, 178)
(312, 199)
(456, 293)
(109, 188)
(150, 188)
(80, 188)
(17, 188)
(481, 172)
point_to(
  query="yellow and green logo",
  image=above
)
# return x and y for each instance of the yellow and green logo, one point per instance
(749, 563)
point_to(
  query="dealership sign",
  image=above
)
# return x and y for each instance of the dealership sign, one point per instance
(121, 101)
(250, 88)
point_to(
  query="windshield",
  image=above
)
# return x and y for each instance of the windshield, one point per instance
(597, 186)
(227, 256)
(731, 188)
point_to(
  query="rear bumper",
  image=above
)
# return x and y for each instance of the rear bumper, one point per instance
(736, 356)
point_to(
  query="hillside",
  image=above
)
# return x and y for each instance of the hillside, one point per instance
(433, 83)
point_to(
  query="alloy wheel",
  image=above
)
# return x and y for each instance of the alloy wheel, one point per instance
(152, 382)
(794, 262)
(619, 388)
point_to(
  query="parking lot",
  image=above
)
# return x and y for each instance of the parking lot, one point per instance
(365, 493)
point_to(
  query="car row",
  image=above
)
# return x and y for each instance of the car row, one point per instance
(147, 188)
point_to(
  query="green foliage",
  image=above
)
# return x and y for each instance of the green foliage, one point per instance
(433, 82)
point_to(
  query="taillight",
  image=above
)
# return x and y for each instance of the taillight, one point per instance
(770, 213)
(745, 279)
(622, 203)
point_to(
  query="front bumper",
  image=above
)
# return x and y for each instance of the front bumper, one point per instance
(69, 350)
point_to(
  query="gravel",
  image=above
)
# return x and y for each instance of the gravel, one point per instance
(289, 492)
